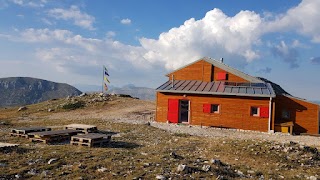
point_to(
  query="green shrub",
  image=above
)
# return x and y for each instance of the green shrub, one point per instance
(75, 105)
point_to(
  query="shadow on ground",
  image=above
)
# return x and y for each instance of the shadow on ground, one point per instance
(121, 144)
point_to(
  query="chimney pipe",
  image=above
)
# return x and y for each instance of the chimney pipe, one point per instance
(172, 81)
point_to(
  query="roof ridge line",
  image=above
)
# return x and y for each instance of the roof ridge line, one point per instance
(209, 59)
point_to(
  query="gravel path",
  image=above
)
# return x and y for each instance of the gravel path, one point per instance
(237, 134)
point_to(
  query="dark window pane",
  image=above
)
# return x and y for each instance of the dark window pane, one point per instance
(285, 114)
(214, 108)
(254, 110)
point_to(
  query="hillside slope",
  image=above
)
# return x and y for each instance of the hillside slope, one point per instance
(143, 93)
(143, 149)
(16, 91)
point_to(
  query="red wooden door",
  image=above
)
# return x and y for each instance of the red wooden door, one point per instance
(173, 110)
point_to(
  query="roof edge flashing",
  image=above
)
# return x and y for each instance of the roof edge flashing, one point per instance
(213, 93)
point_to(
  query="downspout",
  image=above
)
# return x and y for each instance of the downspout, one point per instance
(270, 115)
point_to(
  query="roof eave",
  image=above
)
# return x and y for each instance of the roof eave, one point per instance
(217, 93)
(301, 99)
(203, 58)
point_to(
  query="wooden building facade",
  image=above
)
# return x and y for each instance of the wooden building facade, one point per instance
(210, 93)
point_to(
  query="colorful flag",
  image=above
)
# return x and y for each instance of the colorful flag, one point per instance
(105, 74)
(105, 71)
(105, 87)
(106, 79)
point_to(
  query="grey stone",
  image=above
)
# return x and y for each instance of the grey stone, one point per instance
(53, 160)
(32, 172)
(45, 173)
(146, 164)
(216, 162)
(206, 168)
(313, 178)
(181, 167)
(240, 173)
(161, 177)
(103, 169)
(261, 177)
(18, 176)
(22, 108)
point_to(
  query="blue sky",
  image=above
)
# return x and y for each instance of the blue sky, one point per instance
(140, 41)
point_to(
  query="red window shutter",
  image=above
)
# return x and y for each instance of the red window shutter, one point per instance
(206, 108)
(222, 76)
(264, 112)
(173, 110)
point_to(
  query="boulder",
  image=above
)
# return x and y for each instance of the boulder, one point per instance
(22, 108)
(161, 177)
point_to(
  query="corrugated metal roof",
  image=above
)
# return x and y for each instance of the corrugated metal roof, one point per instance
(225, 67)
(218, 88)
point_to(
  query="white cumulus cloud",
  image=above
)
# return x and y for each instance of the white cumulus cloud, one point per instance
(125, 21)
(302, 19)
(30, 3)
(110, 34)
(74, 14)
(288, 53)
(215, 35)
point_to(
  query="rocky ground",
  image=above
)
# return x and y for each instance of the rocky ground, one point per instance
(143, 149)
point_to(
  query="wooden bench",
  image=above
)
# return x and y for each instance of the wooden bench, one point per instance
(90, 140)
(24, 131)
(82, 127)
(285, 127)
(53, 136)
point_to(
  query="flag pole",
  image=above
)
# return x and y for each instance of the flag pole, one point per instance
(102, 85)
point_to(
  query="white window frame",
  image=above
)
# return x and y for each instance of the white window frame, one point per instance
(216, 112)
(258, 111)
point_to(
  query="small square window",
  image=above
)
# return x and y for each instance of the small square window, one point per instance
(285, 114)
(255, 111)
(215, 108)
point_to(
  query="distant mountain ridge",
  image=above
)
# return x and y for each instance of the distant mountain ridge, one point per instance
(144, 93)
(17, 91)
(139, 92)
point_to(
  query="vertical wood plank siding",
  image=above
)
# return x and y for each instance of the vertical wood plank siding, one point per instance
(202, 71)
(231, 77)
(234, 111)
